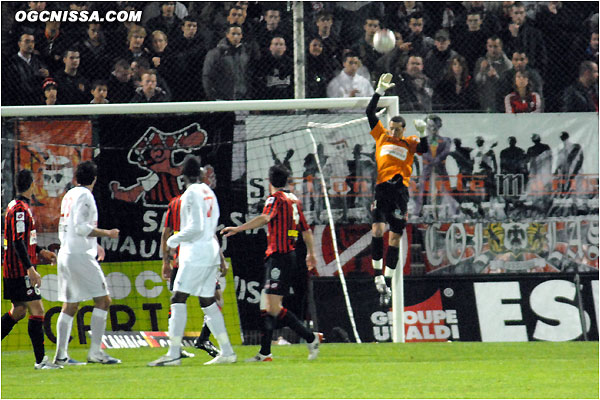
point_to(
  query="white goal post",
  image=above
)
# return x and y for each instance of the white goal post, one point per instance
(359, 104)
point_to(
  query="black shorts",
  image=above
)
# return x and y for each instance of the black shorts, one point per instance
(20, 290)
(173, 276)
(390, 196)
(278, 271)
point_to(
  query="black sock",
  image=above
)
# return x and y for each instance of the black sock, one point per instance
(7, 324)
(266, 333)
(288, 318)
(377, 251)
(204, 334)
(391, 260)
(36, 334)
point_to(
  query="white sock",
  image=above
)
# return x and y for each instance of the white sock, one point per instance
(378, 264)
(64, 323)
(98, 325)
(216, 323)
(176, 328)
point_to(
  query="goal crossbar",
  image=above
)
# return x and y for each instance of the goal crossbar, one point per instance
(390, 102)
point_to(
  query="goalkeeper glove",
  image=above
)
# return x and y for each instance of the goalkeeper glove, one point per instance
(420, 125)
(384, 83)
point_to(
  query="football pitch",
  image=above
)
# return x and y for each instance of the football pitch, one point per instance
(372, 370)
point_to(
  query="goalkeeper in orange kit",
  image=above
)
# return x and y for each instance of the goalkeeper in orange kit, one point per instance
(394, 153)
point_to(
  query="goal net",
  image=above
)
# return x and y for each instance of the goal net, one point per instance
(139, 150)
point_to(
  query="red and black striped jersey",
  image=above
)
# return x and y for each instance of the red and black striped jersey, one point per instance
(19, 224)
(173, 217)
(286, 221)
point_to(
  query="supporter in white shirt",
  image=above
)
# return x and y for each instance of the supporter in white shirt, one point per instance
(349, 83)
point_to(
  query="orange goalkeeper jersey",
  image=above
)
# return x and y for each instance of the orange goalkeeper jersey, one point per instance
(393, 155)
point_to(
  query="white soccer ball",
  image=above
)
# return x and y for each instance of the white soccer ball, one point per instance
(384, 41)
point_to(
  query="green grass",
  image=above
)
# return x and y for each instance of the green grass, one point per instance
(384, 370)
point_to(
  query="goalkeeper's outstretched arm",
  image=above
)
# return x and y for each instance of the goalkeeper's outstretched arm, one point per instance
(385, 83)
(372, 117)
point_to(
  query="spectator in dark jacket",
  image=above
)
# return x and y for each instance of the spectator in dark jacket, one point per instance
(583, 94)
(73, 86)
(167, 21)
(521, 34)
(319, 70)
(274, 78)
(50, 45)
(413, 87)
(148, 92)
(189, 52)
(436, 61)
(120, 85)
(456, 91)
(95, 62)
(225, 71)
(22, 81)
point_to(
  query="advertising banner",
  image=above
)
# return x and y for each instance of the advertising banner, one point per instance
(51, 150)
(140, 302)
(486, 308)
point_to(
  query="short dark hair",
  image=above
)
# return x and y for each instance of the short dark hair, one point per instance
(399, 119)
(70, 49)
(189, 18)
(349, 54)
(98, 82)
(228, 27)
(191, 167)
(24, 180)
(86, 172)
(278, 175)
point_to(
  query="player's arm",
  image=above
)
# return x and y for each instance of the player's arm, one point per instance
(311, 260)
(194, 227)
(81, 212)
(166, 253)
(224, 266)
(254, 223)
(21, 250)
(383, 85)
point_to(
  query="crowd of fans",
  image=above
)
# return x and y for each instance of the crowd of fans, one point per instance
(450, 56)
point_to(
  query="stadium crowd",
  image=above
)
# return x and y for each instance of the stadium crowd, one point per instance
(477, 56)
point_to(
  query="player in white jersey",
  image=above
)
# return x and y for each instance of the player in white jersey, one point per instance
(199, 261)
(80, 277)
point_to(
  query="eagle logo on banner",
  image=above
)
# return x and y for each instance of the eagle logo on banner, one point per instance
(515, 237)
(161, 155)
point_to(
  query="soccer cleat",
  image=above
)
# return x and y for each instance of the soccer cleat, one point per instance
(380, 284)
(187, 354)
(313, 347)
(101, 357)
(46, 364)
(208, 347)
(67, 361)
(260, 358)
(221, 359)
(164, 361)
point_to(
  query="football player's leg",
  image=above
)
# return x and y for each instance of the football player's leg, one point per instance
(35, 328)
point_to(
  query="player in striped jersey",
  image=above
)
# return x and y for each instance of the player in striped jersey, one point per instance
(283, 214)
(21, 280)
(394, 154)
